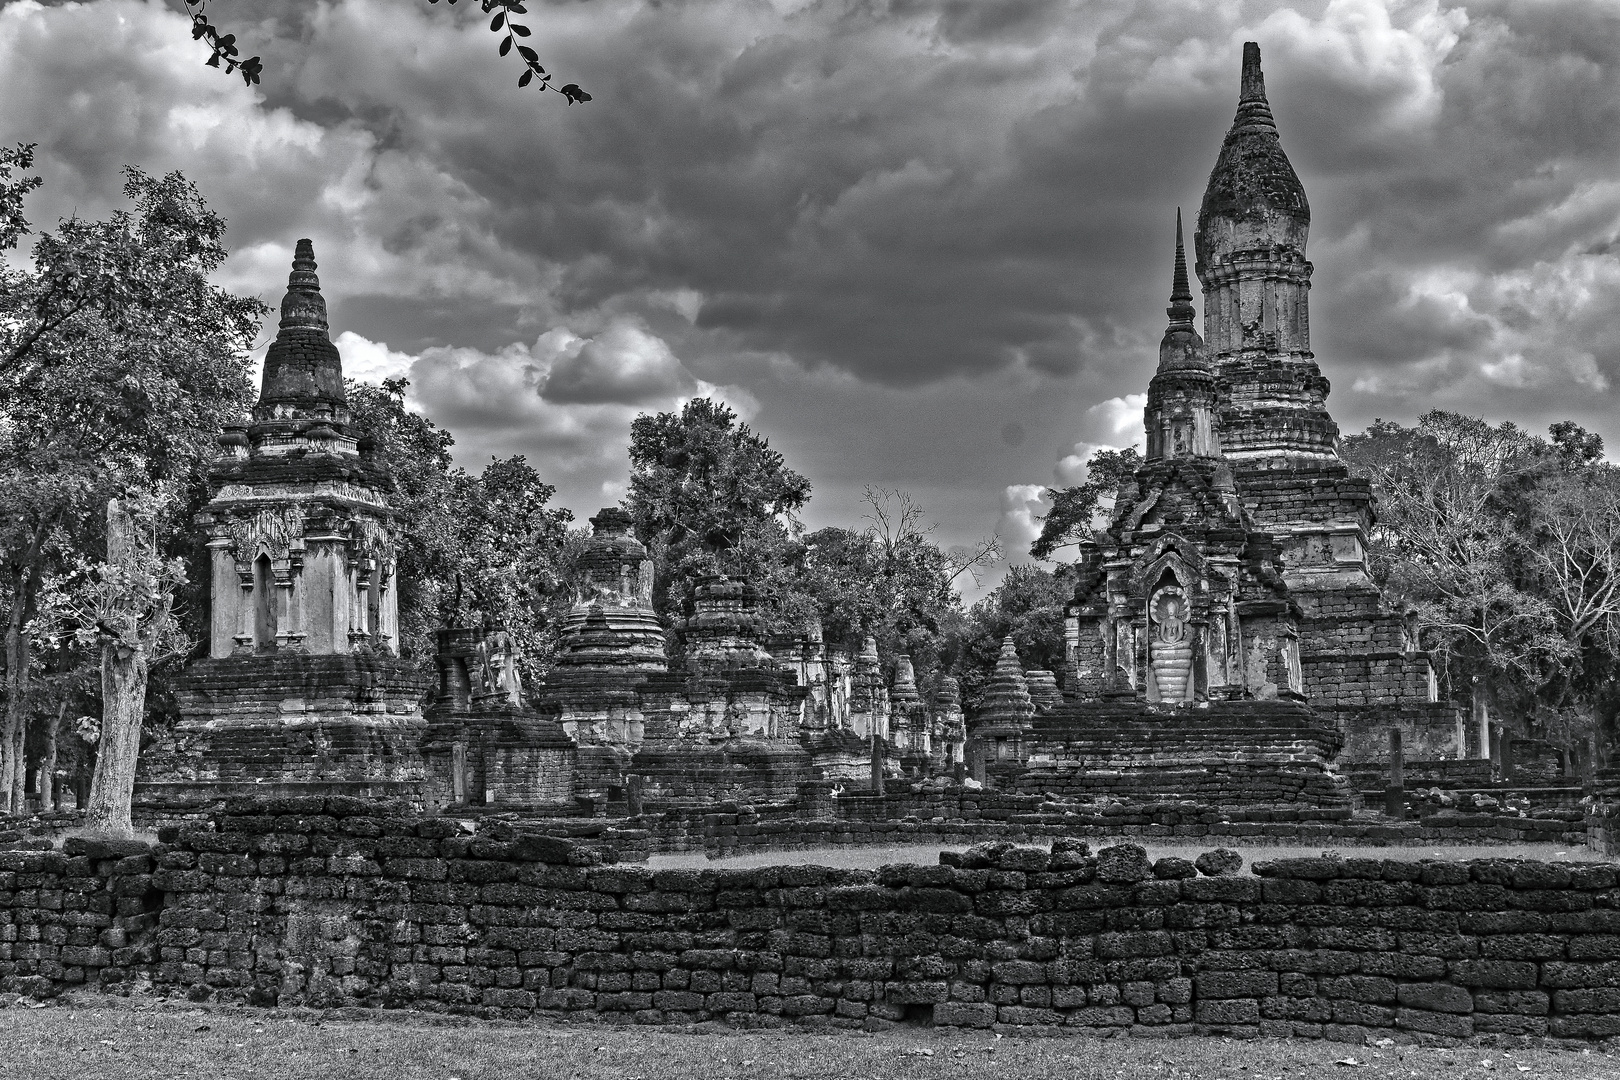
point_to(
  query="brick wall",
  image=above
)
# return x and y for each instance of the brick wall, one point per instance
(327, 903)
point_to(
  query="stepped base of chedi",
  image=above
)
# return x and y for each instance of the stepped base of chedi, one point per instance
(1221, 753)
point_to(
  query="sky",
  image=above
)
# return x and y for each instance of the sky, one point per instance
(919, 244)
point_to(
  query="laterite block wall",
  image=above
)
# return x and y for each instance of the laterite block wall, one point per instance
(323, 902)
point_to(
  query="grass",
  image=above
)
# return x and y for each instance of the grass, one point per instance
(88, 1039)
(871, 857)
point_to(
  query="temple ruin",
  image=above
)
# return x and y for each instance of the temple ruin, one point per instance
(1225, 642)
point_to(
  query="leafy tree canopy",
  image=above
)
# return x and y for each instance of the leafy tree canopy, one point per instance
(119, 362)
(1508, 545)
(708, 495)
(484, 550)
(1075, 510)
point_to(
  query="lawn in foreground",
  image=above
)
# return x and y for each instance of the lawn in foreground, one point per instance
(89, 1040)
(863, 857)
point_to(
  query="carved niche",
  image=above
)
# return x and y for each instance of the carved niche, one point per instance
(1170, 644)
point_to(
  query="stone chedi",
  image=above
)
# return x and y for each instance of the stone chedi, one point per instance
(609, 644)
(1358, 660)
(1225, 641)
(910, 727)
(724, 722)
(302, 689)
(1005, 713)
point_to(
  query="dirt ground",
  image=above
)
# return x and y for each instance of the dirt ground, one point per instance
(89, 1038)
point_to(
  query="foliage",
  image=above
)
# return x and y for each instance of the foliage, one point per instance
(509, 552)
(479, 550)
(222, 47)
(889, 581)
(1075, 510)
(707, 496)
(119, 361)
(223, 50)
(1509, 547)
(126, 602)
(418, 455)
(1029, 605)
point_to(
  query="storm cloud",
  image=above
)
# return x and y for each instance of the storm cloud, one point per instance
(891, 233)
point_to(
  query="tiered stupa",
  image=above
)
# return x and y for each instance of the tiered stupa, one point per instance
(726, 724)
(909, 720)
(1225, 640)
(1359, 662)
(302, 690)
(609, 644)
(1182, 635)
(1005, 712)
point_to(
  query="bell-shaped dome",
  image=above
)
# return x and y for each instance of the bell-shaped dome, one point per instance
(302, 369)
(1254, 199)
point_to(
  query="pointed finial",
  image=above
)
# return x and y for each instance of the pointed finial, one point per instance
(1180, 309)
(304, 305)
(1254, 80)
(1252, 105)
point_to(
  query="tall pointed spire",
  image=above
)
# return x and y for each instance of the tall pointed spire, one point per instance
(1253, 108)
(304, 305)
(1180, 309)
(303, 373)
(1181, 346)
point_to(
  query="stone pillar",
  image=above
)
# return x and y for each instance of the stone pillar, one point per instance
(877, 763)
(244, 610)
(458, 772)
(1395, 793)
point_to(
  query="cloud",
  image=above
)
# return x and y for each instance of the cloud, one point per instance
(501, 403)
(370, 361)
(1021, 506)
(903, 233)
(624, 364)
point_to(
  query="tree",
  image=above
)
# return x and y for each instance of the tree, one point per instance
(418, 455)
(483, 550)
(510, 553)
(1441, 541)
(1075, 510)
(119, 361)
(1030, 605)
(1509, 545)
(889, 581)
(124, 605)
(708, 495)
(224, 53)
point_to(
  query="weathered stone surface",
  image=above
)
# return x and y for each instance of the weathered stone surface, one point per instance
(1222, 862)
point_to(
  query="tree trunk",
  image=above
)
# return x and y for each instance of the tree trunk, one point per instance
(123, 696)
(19, 658)
(124, 663)
(47, 767)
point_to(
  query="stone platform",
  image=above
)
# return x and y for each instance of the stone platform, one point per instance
(1218, 753)
(748, 769)
(291, 723)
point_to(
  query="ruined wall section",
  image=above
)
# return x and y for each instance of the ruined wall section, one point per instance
(361, 908)
(348, 725)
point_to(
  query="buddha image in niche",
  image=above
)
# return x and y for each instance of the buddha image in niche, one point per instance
(1170, 615)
